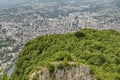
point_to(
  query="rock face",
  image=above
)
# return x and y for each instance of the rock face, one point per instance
(75, 73)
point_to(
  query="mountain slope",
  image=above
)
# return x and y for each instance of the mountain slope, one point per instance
(99, 50)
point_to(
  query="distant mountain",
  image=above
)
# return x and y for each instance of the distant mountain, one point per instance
(4, 3)
(117, 2)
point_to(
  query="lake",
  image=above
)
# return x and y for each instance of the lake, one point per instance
(9, 72)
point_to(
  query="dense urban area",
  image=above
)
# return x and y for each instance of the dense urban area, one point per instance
(40, 17)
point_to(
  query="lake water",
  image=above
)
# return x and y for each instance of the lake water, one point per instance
(10, 71)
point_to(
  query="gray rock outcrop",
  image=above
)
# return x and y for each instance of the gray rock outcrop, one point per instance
(75, 73)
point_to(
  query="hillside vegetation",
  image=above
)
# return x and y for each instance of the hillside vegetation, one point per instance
(99, 50)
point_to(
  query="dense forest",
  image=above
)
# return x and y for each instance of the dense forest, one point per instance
(100, 50)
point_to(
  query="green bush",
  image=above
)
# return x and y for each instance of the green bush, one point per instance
(79, 34)
(51, 68)
(63, 65)
(97, 60)
(61, 56)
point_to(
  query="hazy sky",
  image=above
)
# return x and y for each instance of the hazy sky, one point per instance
(11, 2)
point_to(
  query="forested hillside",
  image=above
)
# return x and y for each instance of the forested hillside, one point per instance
(99, 50)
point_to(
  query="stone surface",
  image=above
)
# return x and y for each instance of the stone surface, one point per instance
(75, 73)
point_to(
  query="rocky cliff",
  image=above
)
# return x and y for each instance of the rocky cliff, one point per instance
(74, 73)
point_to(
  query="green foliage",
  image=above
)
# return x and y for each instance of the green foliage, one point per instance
(79, 34)
(97, 60)
(4, 77)
(61, 56)
(63, 65)
(51, 68)
(98, 49)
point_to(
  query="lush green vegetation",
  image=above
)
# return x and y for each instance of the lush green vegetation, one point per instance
(100, 50)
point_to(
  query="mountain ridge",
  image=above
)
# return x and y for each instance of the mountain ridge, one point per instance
(98, 50)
